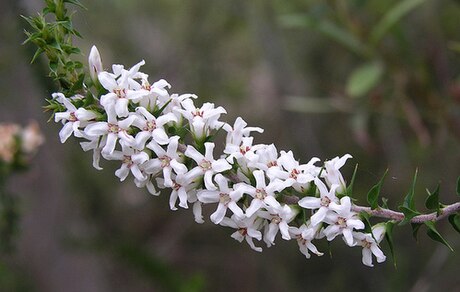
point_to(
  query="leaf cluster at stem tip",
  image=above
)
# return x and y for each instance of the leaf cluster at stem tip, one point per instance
(54, 39)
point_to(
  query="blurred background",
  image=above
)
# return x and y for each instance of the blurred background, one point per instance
(376, 79)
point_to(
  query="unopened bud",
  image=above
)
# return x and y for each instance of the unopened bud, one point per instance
(95, 63)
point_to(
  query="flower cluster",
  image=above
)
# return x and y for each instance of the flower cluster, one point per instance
(164, 141)
(18, 143)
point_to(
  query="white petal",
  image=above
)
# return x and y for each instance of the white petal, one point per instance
(219, 214)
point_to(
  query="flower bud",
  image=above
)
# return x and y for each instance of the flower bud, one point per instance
(95, 63)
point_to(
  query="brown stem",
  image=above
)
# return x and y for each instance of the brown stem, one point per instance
(398, 216)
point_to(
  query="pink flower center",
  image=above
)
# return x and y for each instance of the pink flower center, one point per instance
(244, 149)
(120, 92)
(165, 160)
(260, 194)
(73, 117)
(276, 219)
(113, 128)
(198, 113)
(176, 186)
(127, 160)
(294, 173)
(150, 126)
(342, 222)
(325, 201)
(243, 231)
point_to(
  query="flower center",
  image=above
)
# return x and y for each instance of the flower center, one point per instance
(294, 173)
(224, 199)
(342, 222)
(272, 163)
(276, 219)
(165, 160)
(73, 117)
(198, 113)
(365, 244)
(244, 149)
(205, 165)
(243, 231)
(325, 201)
(120, 92)
(113, 128)
(176, 186)
(150, 126)
(127, 160)
(260, 194)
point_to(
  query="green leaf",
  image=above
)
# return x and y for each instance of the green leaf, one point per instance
(38, 52)
(364, 78)
(432, 201)
(327, 28)
(408, 214)
(373, 194)
(409, 199)
(385, 203)
(415, 229)
(53, 66)
(349, 190)
(367, 224)
(389, 238)
(392, 17)
(454, 220)
(458, 186)
(434, 234)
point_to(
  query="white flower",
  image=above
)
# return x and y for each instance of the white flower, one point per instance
(157, 94)
(151, 127)
(296, 175)
(342, 221)
(370, 244)
(247, 229)
(183, 188)
(304, 235)
(131, 159)
(278, 217)
(332, 174)
(122, 88)
(239, 130)
(166, 161)
(201, 119)
(113, 129)
(263, 194)
(207, 165)
(225, 196)
(321, 203)
(95, 63)
(267, 158)
(72, 118)
(244, 152)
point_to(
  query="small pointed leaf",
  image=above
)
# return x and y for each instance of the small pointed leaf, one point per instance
(415, 229)
(432, 201)
(349, 190)
(434, 234)
(389, 238)
(409, 199)
(373, 194)
(408, 214)
(454, 220)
